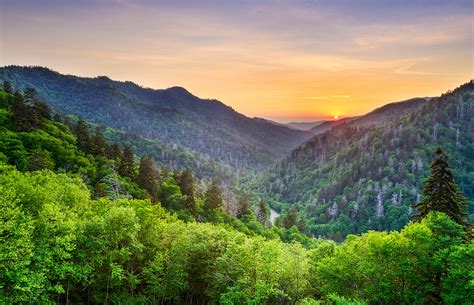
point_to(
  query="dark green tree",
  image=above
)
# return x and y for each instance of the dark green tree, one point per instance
(127, 162)
(20, 113)
(213, 198)
(7, 87)
(262, 211)
(83, 136)
(290, 219)
(187, 185)
(39, 160)
(41, 110)
(441, 193)
(99, 144)
(243, 205)
(30, 95)
(148, 176)
(114, 152)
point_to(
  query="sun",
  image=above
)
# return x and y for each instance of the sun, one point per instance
(336, 117)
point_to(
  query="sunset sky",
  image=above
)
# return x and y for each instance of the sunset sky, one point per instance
(282, 60)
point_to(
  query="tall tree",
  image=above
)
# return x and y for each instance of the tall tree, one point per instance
(187, 185)
(99, 144)
(82, 134)
(441, 193)
(262, 211)
(114, 152)
(148, 176)
(127, 162)
(20, 113)
(213, 198)
(243, 205)
(7, 87)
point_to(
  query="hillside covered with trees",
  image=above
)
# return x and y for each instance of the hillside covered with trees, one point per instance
(173, 117)
(365, 174)
(84, 219)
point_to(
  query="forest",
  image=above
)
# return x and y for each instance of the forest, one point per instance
(85, 219)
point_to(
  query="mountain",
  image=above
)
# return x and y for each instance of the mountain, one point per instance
(172, 116)
(364, 174)
(304, 125)
(326, 125)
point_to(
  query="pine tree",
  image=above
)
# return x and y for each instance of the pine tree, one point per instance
(243, 206)
(127, 162)
(148, 176)
(114, 152)
(262, 211)
(441, 193)
(213, 198)
(82, 134)
(186, 183)
(99, 144)
(20, 113)
(7, 87)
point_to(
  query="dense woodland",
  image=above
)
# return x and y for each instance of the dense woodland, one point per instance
(365, 174)
(173, 117)
(88, 218)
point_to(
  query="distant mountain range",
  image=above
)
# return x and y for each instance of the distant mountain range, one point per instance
(172, 116)
(306, 126)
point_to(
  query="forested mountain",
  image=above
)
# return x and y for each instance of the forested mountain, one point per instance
(326, 125)
(172, 116)
(304, 125)
(81, 221)
(364, 174)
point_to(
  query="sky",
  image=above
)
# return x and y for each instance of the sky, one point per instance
(299, 60)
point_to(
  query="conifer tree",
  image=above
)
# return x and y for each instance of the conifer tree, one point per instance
(7, 87)
(127, 162)
(187, 185)
(243, 206)
(148, 176)
(262, 211)
(20, 113)
(99, 144)
(114, 152)
(213, 198)
(441, 193)
(83, 137)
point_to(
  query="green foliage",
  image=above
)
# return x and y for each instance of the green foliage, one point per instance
(442, 193)
(365, 174)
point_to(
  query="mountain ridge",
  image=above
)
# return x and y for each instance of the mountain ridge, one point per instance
(173, 116)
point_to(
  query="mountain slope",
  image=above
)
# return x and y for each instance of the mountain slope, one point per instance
(304, 125)
(173, 116)
(365, 174)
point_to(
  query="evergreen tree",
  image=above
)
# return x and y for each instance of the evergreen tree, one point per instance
(148, 176)
(262, 211)
(20, 113)
(99, 144)
(243, 206)
(127, 162)
(30, 95)
(441, 193)
(114, 152)
(187, 185)
(213, 198)
(7, 87)
(41, 110)
(290, 219)
(82, 134)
